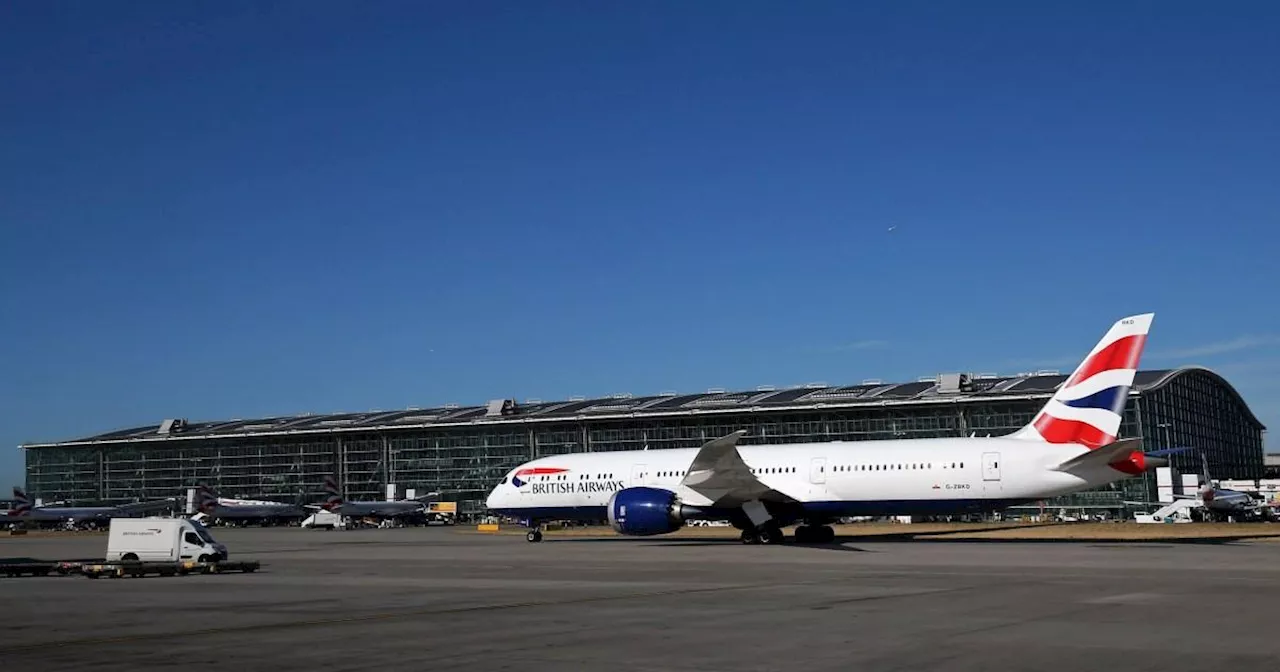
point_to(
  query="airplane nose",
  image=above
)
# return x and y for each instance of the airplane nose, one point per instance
(492, 500)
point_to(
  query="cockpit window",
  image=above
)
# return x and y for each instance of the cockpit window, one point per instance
(503, 481)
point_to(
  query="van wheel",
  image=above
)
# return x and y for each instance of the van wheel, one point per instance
(129, 557)
(203, 558)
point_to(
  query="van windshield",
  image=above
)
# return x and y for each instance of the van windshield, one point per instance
(204, 533)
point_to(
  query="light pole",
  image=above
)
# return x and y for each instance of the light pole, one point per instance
(1165, 426)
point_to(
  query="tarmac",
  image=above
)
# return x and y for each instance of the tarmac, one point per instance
(451, 598)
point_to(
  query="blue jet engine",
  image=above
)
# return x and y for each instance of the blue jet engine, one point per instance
(643, 512)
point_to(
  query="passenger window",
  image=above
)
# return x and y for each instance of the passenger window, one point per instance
(193, 538)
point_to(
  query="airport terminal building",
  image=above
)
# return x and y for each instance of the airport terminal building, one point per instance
(462, 452)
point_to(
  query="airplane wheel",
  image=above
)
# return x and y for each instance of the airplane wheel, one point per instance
(750, 537)
(827, 534)
(534, 536)
(770, 535)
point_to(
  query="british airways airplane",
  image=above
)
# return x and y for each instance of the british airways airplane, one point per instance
(77, 516)
(1070, 445)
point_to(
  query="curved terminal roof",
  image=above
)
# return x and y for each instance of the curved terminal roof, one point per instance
(869, 394)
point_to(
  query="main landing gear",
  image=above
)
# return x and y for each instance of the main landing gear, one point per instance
(770, 533)
(815, 534)
(535, 532)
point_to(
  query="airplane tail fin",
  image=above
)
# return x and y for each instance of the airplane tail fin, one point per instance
(333, 493)
(22, 503)
(1207, 485)
(206, 499)
(1088, 407)
(1204, 473)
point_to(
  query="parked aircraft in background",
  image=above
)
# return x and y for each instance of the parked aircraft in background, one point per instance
(224, 510)
(405, 508)
(1069, 446)
(23, 511)
(1222, 504)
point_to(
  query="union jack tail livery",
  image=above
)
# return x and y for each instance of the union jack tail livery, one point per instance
(206, 499)
(333, 493)
(22, 503)
(1088, 407)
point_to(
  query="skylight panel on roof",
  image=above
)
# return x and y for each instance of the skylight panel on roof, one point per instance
(417, 418)
(608, 407)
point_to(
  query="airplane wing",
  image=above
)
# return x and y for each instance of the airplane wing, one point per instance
(143, 507)
(719, 473)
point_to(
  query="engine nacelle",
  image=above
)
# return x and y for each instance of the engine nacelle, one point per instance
(643, 512)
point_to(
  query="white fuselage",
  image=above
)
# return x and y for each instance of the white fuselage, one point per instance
(892, 477)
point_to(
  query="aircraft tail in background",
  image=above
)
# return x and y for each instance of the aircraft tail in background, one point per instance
(206, 499)
(22, 503)
(332, 492)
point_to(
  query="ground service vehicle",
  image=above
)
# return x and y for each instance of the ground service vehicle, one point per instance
(162, 540)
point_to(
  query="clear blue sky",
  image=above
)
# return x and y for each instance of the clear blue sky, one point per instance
(215, 210)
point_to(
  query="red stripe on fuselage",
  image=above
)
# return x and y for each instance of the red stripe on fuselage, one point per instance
(1123, 354)
(539, 471)
(1056, 430)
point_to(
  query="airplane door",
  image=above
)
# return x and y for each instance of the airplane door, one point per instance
(818, 470)
(637, 475)
(991, 467)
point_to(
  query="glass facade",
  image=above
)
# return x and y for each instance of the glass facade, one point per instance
(1192, 408)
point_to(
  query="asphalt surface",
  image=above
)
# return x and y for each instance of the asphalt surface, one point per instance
(441, 598)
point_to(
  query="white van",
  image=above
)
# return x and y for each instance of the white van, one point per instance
(162, 540)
